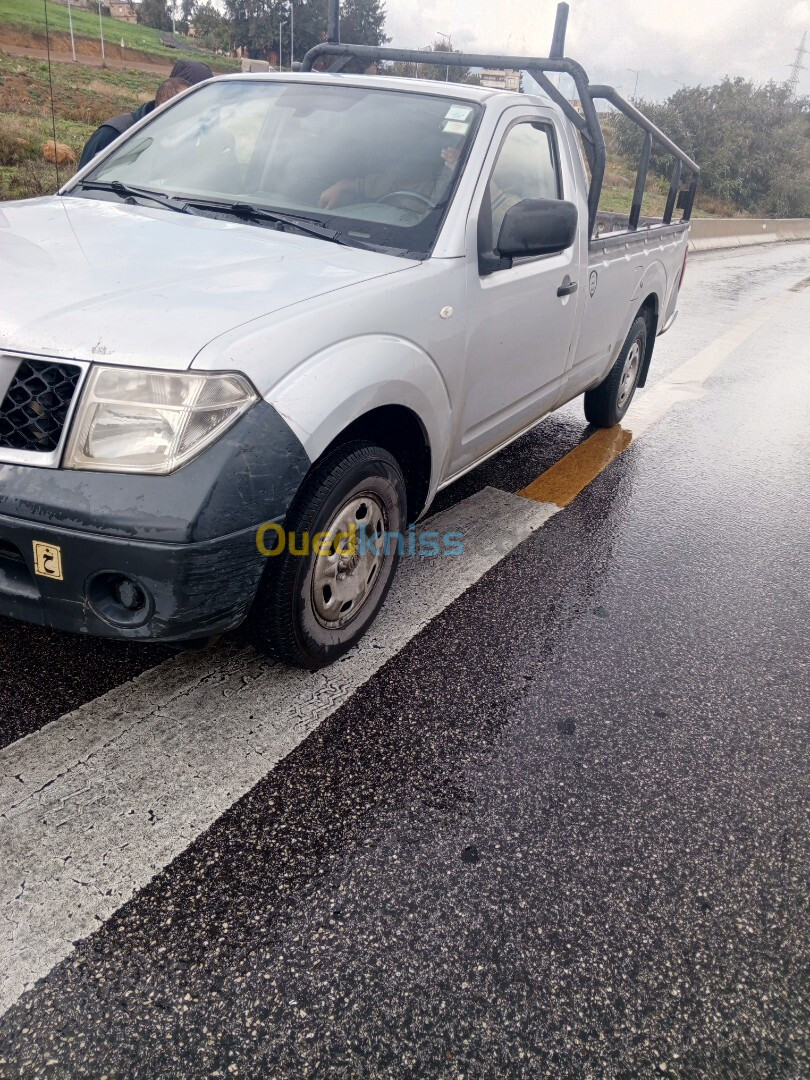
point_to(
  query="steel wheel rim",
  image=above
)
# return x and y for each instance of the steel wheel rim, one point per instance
(342, 581)
(630, 372)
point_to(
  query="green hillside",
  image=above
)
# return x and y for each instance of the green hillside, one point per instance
(29, 15)
(84, 97)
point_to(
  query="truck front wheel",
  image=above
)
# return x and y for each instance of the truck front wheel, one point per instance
(607, 403)
(328, 575)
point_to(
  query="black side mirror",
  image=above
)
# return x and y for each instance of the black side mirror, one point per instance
(537, 227)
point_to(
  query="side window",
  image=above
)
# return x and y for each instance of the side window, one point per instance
(526, 169)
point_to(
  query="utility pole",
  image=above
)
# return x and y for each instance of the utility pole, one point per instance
(449, 47)
(281, 26)
(797, 67)
(101, 35)
(635, 88)
(72, 42)
(292, 35)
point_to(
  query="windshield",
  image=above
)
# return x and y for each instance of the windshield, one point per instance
(376, 166)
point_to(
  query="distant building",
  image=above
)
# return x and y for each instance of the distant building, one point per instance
(249, 65)
(501, 79)
(123, 10)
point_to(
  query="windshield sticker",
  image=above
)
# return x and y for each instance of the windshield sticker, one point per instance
(458, 112)
(454, 127)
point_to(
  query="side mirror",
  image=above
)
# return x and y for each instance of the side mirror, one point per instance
(537, 227)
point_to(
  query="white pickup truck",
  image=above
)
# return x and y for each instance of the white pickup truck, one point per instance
(247, 344)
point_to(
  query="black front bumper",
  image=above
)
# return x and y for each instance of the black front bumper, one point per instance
(190, 590)
(186, 542)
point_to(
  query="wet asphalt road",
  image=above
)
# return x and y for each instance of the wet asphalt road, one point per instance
(562, 833)
(720, 288)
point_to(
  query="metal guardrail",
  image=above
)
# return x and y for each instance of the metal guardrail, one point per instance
(539, 68)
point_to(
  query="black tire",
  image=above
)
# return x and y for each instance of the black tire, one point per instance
(607, 403)
(288, 619)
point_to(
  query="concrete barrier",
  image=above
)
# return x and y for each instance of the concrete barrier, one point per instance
(707, 234)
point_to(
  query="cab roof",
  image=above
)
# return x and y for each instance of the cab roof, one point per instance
(461, 91)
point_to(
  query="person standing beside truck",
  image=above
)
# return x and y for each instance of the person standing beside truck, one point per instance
(185, 73)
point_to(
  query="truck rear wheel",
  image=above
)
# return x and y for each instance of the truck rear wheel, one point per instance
(607, 403)
(317, 600)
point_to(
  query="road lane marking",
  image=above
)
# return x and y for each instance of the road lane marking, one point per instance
(687, 382)
(563, 481)
(95, 804)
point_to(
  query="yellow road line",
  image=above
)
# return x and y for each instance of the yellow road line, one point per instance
(564, 480)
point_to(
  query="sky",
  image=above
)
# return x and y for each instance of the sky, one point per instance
(683, 41)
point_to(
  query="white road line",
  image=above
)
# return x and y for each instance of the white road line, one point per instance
(95, 804)
(687, 382)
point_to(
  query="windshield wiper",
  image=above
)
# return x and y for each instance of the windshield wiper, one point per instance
(304, 224)
(126, 191)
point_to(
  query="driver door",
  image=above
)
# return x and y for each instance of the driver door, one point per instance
(520, 329)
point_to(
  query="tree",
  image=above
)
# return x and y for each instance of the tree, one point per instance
(185, 17)
(211, 26)
(255, 24)
(362, 22)
(752, 142)
(155, 13)
(441, 72)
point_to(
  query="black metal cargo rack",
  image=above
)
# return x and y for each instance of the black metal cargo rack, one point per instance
(539, 67)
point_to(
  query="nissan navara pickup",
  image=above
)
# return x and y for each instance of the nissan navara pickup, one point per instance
(245, 346)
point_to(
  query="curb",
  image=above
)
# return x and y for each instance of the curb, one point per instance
(709, 234)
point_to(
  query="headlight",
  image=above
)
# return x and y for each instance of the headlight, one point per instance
(130, 420)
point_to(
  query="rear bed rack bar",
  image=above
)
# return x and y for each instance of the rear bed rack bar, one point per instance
(539, 67)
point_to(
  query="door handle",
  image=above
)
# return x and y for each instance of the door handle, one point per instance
(568, 286)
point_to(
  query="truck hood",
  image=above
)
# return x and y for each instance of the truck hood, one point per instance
(86, 279)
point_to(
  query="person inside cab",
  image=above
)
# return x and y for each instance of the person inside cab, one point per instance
(426, 187)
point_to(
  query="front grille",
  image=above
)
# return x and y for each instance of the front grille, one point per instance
(33, 412)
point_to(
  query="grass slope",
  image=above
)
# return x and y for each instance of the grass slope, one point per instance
(84, 97)
(30, 15)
